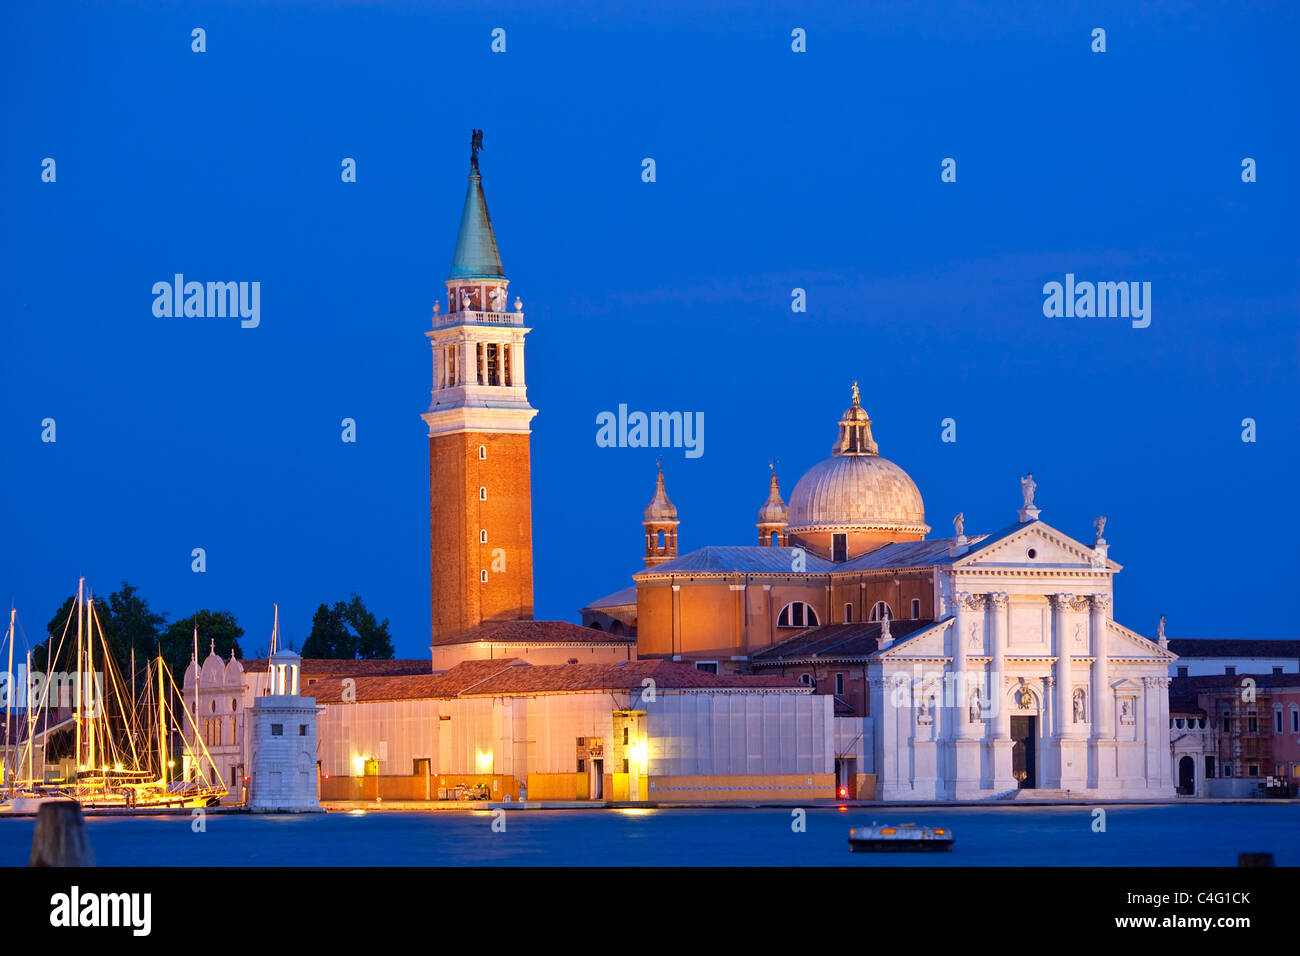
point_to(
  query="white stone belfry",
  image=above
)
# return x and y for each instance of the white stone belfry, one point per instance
(283, 763)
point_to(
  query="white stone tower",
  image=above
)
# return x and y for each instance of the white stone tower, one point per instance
(283, 762)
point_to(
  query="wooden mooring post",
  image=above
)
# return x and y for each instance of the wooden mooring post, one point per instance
(60, 838)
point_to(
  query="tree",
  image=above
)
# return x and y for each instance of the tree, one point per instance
(348, 631)
(218, 631)
(126, 620)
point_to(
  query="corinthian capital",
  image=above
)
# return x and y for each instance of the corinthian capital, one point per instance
(1079, 603)
(998, 599)
(1060, 602)
(1101, 602)
(972, 602)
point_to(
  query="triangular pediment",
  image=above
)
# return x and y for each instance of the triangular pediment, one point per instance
(1125, 642)
(927, 643)
(1052, 548)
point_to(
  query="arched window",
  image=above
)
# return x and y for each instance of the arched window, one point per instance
(848, 613)
(482, 452)
(659, 539)
(616, 627)
(482, 493)
(806, 679)
(482, 536)
(482, 576)
(214, 706)
(797, 614)
(916, 609)
(1295, 719)
(234, 704)
(880, 611)
(775, 540)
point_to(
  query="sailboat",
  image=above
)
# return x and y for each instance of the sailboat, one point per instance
(122, 755)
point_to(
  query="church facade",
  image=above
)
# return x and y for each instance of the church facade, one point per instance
(985, 665)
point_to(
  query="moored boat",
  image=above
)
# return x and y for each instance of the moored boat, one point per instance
(904, 837)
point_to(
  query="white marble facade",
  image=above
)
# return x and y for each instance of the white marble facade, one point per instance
(1024, 645)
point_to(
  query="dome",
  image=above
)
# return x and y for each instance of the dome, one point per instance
(857, 490)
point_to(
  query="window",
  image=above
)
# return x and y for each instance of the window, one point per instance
(482, 493)
(797, 614)
(493, 369)
(848, 614)
(1227, 724)
(839, 547)
(839, 684)
(1295, 721)
(1227, 770)
(1032, 554)
(482, 576)
(709, 667)
(1252, 725)
(1182, 672)
(1253, 769)
(482, 536)
(806, 679)
(482, 452)
(881, 611)
(582, 765)
(1230, 671)
(1209, 768)
(277, 730)
(302, 730)
(234, 703)
(625, 770)
(625, 737)
(1277, 721)
(916, 609)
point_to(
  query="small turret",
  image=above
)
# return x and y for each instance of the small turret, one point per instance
(660, 526)
(773, 516)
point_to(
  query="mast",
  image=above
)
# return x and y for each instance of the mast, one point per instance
(90, 680)
(198, 736)
(162, 744)
(31, 723)
(81, 582)
(9, 700)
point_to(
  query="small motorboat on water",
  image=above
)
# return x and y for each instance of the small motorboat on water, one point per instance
(904, 838)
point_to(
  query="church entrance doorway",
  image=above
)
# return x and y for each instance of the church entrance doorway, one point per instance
(1187, 777)
(1024, 750)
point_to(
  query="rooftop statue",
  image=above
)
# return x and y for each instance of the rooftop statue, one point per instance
(1027, 488)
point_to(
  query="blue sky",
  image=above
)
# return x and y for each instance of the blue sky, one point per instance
(775, 170)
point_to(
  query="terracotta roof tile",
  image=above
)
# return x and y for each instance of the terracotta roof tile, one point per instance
(536, 632)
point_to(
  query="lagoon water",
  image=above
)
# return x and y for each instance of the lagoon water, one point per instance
(1177, 835)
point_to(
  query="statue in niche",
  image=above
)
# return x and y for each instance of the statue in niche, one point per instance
(1080, 708)
(498, 299)
(1126, 711)
(974, 643)
(975, 705)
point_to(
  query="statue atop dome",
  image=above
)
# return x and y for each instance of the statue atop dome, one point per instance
(855, 430)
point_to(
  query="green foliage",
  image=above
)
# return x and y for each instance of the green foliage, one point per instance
(218, 631)
(349, 631)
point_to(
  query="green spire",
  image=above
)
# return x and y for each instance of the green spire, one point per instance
(476, 255)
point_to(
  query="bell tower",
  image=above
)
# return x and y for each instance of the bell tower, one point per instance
(480, 491)
(660, 526)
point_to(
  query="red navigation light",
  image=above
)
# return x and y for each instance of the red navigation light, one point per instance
(844, 791)
(245, 778)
